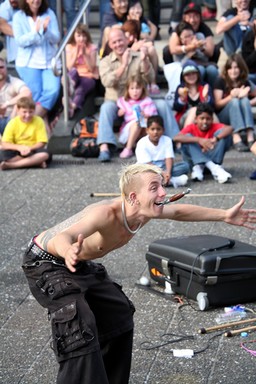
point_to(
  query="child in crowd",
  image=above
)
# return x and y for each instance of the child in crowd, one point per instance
(234, 96)
(204, 144)
(135, 106)
(82, 66)
(24, 139)
(156, 148)
(190, 93)
(132, 30)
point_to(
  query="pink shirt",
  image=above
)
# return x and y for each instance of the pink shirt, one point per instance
(147, 105)
(81, 64)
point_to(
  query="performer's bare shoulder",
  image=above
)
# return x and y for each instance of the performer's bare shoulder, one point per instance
(101, 224)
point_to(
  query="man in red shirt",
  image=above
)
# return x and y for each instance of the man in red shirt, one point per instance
(204, 144)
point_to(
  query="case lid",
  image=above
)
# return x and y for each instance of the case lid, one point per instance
(207, 254)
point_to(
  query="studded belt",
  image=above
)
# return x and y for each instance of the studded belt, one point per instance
(41, 255)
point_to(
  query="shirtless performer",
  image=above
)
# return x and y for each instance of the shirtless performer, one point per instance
(92, 319)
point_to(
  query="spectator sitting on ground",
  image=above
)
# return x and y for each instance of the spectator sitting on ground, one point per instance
(156, 148)
(136, 12)
(192, 15)
(114, 70)
(132, 32)
(184, 43)
(11, 90)
(135, 106)
(37, 34)
(192, 45)
(7, 10)
(116, 17)
(24, 139)
(234, 23)
(204, 144)
(190, 92)
(234, 96)
(81, 56)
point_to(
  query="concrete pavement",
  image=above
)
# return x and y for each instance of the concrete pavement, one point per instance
(34, 199)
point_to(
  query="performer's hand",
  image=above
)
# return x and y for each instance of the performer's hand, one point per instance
(71, 257)
(242, 217)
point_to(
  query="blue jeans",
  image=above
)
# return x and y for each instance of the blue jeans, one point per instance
(209, 73)
(178, 169)
(232, 39)
(193, 154)
(238, 114)
(44, 85)
(252, 77)
(69, 7)
(3, 123)
(104, 8)
(108, 114)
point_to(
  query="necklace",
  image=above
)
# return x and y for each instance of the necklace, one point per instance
(126, 224)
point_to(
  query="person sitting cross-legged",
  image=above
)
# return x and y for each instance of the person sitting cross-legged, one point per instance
(204, 144)
(157, 148)
(24, 139)
(115, 69)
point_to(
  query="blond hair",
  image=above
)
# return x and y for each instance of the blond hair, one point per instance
(130, 175)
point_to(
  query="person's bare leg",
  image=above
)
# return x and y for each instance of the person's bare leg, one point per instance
(190, 116)
(36, 160)
(134, 133)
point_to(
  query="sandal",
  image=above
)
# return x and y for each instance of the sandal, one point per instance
(241, 147)
(154, 89)
(250, 143)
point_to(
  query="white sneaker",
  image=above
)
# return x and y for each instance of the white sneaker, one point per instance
(197, 173)
(219, 174)
(179, 181)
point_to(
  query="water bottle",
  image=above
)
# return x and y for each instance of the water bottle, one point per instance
(139, 116)
(229, 317)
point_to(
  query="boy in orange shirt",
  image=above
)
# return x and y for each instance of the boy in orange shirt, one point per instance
(24, 139)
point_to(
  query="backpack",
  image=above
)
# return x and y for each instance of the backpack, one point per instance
(84, 142)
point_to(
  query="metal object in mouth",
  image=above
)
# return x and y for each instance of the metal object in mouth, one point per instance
(175, 197)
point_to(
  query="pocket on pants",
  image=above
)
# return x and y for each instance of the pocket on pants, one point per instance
(57, 284)
(69, 332)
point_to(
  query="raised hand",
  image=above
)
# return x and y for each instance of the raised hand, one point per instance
(72, 254)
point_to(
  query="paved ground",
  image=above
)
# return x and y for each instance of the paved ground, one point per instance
(34, 199)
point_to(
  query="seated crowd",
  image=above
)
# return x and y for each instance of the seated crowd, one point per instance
(208, 110)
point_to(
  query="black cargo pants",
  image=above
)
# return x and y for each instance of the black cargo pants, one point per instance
(92, 319)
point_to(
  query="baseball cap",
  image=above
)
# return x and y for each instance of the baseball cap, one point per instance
(192, 7)
(189, 69)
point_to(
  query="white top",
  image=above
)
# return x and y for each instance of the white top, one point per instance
(147, 152)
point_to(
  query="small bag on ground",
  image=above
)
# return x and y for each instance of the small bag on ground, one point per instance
(84, 142)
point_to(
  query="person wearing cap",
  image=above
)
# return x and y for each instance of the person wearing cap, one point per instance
(192, 15)
(234, 23)
(190, 92)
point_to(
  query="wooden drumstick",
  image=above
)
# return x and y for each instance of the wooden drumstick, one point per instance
(104, 194)
(236, 331)
(226, 325)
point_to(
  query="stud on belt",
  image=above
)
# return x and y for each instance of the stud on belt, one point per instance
(43, 256)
